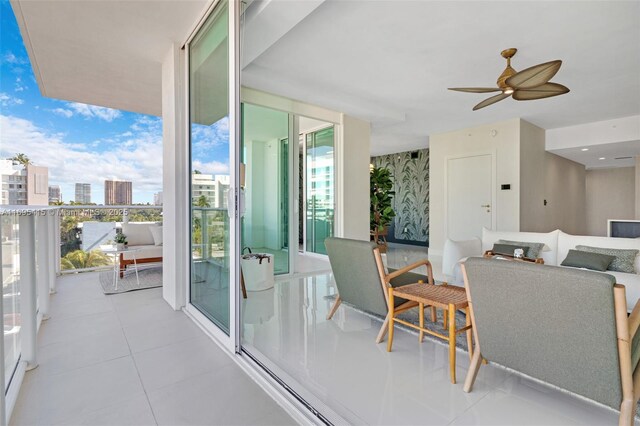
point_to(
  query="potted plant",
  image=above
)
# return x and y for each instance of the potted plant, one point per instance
(121, 241)
(381, 210)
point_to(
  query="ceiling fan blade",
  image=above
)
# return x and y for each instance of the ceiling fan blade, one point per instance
(534, 76)
(491, 100)
(475, 89)
(546, 90)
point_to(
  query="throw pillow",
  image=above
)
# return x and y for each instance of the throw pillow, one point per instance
(506, 249)
(532, 250)
(589, 260)
(156, 232)
(624, 258)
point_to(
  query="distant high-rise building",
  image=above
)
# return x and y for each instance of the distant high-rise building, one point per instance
(83, 193)
(213, 188)
(24, 185)
(55, 195)
(157, 199)
(117, 193)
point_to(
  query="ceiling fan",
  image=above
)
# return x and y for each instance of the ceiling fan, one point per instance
(526, 85)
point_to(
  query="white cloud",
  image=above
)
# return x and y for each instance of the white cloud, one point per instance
(8, 100)
(92, 111)
(10, 58)
(211, 168)
(63, 112)
(138, 159)
(18, 86)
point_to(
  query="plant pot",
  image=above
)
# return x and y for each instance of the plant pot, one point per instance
(120, 246)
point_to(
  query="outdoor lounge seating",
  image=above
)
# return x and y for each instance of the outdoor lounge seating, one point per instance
(362, 280)
(563, 326)
(147, 237)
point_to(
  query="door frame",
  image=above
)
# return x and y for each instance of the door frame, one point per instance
(493, 154)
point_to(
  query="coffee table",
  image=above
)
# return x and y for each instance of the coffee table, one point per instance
(447, 297)
(116, 262)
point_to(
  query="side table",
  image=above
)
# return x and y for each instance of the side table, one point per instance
(116, 262)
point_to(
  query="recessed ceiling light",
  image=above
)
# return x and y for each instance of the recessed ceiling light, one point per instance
(602, 158)
(584, 149)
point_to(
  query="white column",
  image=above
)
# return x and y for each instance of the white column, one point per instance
(175, 184)
(28, 290)
(53, 248)
(44, 267)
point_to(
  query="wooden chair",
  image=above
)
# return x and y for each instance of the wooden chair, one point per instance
(363, 282)
(563, 326)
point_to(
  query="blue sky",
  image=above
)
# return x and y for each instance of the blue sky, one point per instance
(84, 143)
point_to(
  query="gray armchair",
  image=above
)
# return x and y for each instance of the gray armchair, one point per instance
(564, 326)
(362, 280)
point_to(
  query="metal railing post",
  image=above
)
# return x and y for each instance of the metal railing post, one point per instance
(28, 310)
(44, 268)
(3, 410)
(53, 248)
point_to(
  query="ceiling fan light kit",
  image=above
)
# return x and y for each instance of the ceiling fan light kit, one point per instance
(526, 85)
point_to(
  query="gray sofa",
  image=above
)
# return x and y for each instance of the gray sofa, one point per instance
(567, 327)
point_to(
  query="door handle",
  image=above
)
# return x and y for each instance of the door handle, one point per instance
(486, 205)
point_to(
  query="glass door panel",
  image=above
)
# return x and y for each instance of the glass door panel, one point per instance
(265, 153)
(210, 149)
(319, 180)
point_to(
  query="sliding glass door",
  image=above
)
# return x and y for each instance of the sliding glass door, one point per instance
(210, 178)
(320, 194)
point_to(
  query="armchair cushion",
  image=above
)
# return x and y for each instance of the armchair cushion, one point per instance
(635, 350)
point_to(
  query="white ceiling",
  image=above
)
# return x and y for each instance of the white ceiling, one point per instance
(390, 62)
(106, 53)
(620, 154)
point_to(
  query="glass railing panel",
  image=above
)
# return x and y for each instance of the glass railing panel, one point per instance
(10, 233)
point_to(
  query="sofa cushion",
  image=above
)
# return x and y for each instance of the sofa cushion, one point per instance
(138, 234)
(156, 233)
(567, 242)
(584, 259)
(532, 250)
(143, 252)
(507, 249)
(622, 259)
(549, 239)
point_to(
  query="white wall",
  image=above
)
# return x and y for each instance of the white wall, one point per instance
(504, 145)
(565, 194)
(532, 178)
(353, 171)
(596, 133)
(610, 194)
(175, 252)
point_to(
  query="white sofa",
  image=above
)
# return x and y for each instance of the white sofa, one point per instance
(147, 238)
(557, 246)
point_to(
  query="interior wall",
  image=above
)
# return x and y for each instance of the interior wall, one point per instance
(504, 145)
(532, 178)
(610, 194)
(565, 192)
(411, 200)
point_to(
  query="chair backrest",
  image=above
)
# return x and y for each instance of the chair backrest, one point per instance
(354, 268)
(554, 324)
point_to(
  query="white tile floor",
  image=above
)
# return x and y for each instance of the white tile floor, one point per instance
(339, 363)
(130, 359)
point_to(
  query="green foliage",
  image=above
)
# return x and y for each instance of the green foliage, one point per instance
(120, 238)
(79, 259)
(22, 159)
(202, 201)
(381, 195)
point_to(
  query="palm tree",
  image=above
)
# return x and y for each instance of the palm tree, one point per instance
(22, 159)
(80, 259)
(202, 201)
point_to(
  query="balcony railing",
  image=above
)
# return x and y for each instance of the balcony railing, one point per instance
(36, 245)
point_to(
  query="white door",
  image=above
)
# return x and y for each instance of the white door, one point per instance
(469, 196)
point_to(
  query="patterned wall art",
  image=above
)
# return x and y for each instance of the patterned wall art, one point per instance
(410, 172)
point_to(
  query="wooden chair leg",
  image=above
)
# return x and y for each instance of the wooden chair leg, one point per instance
(452, 343)
(421, 316)
(334, 308)
(469, 338)
(434, 314)
(473, 371)
(445, 319)
(391, 317)
(383, 330)
(626, 413)
(242, 286)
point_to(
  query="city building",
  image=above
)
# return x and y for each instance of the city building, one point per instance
(24, 185)
(117, 193)
(83, 193)
(157, 199)
(55, 195)
(213, 187)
